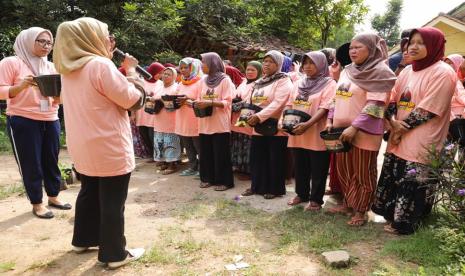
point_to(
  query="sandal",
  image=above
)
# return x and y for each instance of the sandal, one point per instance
(294, 201)
(339, 210)
(188, 172)
(357, 221)
(168, 171)
(221, 188)
(391, 230)
(312, 206)
(268, 196)
(205, 185)
(248, 192)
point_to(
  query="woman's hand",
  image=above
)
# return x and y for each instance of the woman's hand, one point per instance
(253, 120)
(181, 100)
(129, 63)
(300, 128)
(399, 127)
(329, 126)
(348, 134)
(203, 104)
(25, 83)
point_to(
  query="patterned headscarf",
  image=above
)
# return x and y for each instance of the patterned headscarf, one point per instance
(194, 66)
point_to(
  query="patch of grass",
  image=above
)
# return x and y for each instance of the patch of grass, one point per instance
(193, 211)
(7, 191)
(42, 265)
(157, 255)
(5, 145)
(4, 267)
(420, 248)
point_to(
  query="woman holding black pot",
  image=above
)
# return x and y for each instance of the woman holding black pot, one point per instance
(362, 93)
(313, 95)
(214, 129)
(268, 146)
(32, 119)
(96, 97)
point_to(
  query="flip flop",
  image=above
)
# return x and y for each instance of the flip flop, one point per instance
(168, 171)
(294, 201)
(339, 210)
(312, 206)
(389, 229)
(47, 215)
(248, 192)
(221, 188)
(205, 185)
(357, 222)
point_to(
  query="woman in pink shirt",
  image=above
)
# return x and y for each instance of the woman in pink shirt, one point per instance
(186, 124)
(144, 120)
(361, 97)
(32, 119)
(268, 153)
(458, 100)
(214, 131)
(167, 145)
(240, 136)
(419, 119)
(96, 97)
(313, 95)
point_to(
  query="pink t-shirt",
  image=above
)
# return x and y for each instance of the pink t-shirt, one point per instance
(350, 100)
(143, 118)
(311, 139)
(96, 98)
(244, 90)
(430, 89)
(28, 102)
(186, 124)
(220, 120)
(273, 98)
(165, 121)
(458, 102)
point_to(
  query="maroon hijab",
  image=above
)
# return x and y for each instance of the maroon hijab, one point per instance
(435, 46)
(236, 76)
(154, 69)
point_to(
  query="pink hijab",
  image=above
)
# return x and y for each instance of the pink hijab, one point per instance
(23, 47)
(457, 60)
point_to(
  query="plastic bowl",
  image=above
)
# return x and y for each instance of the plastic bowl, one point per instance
(49, 85)
(332, 142)
(292, 117)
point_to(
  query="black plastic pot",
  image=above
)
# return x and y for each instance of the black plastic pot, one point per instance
(248, 110)
(153, 107)
(292, 117)
(203, 112)
(49, 85)
(267, 128)
(457, 131)
(170, 103)
(332, 142)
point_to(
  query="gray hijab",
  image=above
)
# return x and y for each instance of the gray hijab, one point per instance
(311, 85)
(216, 68)
(278, 58)
(373, 75)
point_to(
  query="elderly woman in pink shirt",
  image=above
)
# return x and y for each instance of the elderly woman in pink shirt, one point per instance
(96, 97)
(268, 152)
(32, 119)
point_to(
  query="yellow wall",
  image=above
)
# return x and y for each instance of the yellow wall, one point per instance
(455, 39)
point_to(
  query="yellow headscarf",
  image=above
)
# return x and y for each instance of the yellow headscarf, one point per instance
(79, 41)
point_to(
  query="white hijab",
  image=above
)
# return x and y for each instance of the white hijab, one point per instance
(24, 46)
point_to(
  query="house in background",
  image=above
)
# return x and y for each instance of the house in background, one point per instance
(452, 24)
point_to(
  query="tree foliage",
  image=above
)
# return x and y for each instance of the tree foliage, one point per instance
(144, 27)
(387, 24)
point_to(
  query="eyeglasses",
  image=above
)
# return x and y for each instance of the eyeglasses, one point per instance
(44, 43)
(112, 38)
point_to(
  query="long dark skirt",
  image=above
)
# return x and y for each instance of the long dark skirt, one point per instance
(240, 152)
(403, 196)
(267, 164)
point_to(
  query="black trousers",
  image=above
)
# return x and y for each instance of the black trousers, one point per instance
(99, 219)
(192, 145)
(146, 133)
(311, 167)
(36, 145)
(215, 159)
(268, 164)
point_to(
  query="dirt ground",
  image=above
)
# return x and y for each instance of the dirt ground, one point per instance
(172, 218)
